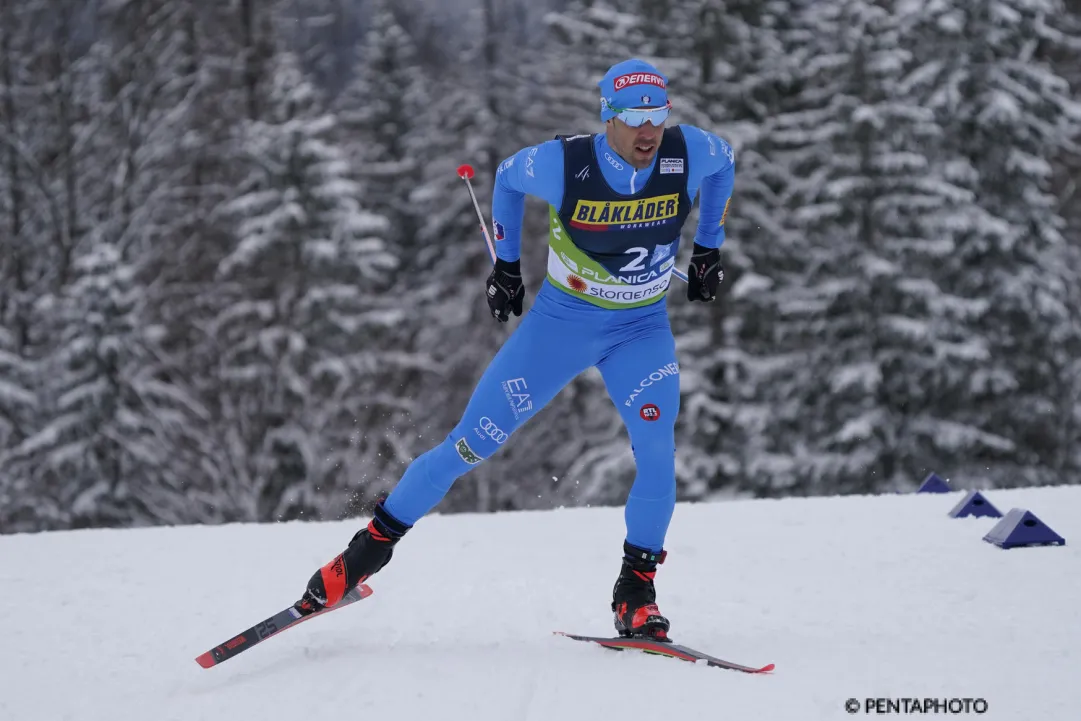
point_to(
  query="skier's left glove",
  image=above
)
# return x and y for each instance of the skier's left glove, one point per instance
(504, 289)
(704, 274)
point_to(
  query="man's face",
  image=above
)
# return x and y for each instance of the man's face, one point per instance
(638, 145)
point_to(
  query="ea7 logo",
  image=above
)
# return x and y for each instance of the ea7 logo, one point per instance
(529, 162)
(517, 394)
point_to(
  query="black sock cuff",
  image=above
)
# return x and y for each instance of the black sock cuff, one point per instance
(388, 524)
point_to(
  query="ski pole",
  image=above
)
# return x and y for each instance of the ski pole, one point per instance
(465, 172)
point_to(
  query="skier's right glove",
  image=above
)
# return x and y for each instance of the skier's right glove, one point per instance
(504, 289)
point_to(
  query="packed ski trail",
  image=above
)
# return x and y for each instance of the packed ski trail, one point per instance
(850, 597)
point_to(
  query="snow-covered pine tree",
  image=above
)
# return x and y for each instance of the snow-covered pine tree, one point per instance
(144, 99)
(379, 114)
(876, 343)
(590, 36)
(48, 119)
(17, 399)
(210, 74)
(178, 79)
(304, 282)
(754, 63)
(320, 34)
(52, 120)
(246, 30)
(1066, 54)
(18, 411)
(1068, 192)
(108, 454)
(383, 129)
(152, 151)
(1006, 114)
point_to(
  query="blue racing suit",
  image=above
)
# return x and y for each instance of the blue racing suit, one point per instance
(613, 239)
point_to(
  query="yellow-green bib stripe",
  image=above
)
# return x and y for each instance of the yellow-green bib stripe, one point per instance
(575, 272)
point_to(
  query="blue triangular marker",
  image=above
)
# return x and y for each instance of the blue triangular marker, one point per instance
(1021, 528)
(934, 484)
(974, 504)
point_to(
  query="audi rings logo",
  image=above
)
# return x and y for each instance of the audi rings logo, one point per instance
(492, 430)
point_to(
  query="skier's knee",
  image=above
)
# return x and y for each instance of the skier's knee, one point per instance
(655, 457)
(659, 446)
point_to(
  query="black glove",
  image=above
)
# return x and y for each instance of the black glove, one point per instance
(504, 289)
(704, 274)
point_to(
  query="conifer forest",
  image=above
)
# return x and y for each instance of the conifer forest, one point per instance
(241, 280)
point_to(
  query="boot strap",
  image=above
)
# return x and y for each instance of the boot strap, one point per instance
(643, 555)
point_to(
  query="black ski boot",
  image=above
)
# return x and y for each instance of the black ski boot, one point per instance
(634, 599)
(368, 552)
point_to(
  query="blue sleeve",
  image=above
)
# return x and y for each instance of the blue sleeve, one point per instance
(536, 170)
(712, 169)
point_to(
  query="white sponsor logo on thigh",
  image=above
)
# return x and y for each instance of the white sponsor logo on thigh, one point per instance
(670, 369)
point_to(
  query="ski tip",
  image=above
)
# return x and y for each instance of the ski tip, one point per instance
(365, 590)
(206, 660)
(765, 669)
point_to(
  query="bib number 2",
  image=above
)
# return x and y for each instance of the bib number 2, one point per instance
(638, 263)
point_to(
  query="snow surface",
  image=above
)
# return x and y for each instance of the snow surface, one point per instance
(851, 597)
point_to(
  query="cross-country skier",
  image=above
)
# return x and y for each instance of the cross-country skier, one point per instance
(618, 200)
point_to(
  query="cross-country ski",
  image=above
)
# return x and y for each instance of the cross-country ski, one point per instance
(272, 626)
(665, 648)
